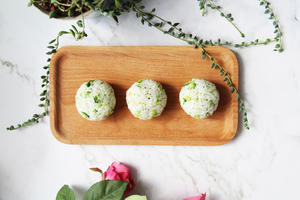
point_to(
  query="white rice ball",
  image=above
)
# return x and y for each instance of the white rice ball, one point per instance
(95, 100)
(146, 99)
(199, 98)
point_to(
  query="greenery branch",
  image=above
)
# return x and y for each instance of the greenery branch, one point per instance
(176, 32)
(278, 33)
(44, 96)
(228, 16)
(212, 5)
(268, 11)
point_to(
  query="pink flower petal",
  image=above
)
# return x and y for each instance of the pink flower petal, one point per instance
(201, 197)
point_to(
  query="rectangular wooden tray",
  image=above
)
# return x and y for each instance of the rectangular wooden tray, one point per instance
(121, 67)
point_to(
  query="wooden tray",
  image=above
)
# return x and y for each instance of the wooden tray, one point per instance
(121, 67)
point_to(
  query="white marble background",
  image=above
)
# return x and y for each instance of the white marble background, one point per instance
(259, 164)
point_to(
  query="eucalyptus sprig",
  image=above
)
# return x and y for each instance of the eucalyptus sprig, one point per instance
(212, 5)
(44, 96)
(176, 32)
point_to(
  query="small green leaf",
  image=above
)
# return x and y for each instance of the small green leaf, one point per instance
(52, 14)
(116, 19)
(72, 32)
(118, 4)
(71, 13)
(79, 23)
(52, 41)
(65, 193)
(62, 33)
(106, 190)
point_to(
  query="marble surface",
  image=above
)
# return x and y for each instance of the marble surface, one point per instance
(259, 164)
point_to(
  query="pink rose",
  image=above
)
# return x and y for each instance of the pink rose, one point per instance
(119, 172)
(201, 197)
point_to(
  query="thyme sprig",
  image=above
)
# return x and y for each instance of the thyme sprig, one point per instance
(176, 32)
(227, 16)
(44, 96)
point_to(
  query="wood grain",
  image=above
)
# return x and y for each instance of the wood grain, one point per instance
(121, 67)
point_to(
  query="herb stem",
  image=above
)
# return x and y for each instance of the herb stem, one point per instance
(203, 10)
(45, 78)
(227, 17)
(278, 32)
(244, 44)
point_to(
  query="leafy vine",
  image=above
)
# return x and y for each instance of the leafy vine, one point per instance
(210, 4)
(44, 96)
(115, 8)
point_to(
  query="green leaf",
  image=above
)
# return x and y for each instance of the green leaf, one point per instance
(106, 190)
(118, 4)
(65, 193)
(29, 3)
(52, 41)
(75, 29)
(72, 32)
(71, 13)
(62, 33)
(116, 19)
(79, 23)
(136, 197)
(52, 14)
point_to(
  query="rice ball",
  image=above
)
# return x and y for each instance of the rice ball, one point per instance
(199, 98)
(146, 99)
(95, 100)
